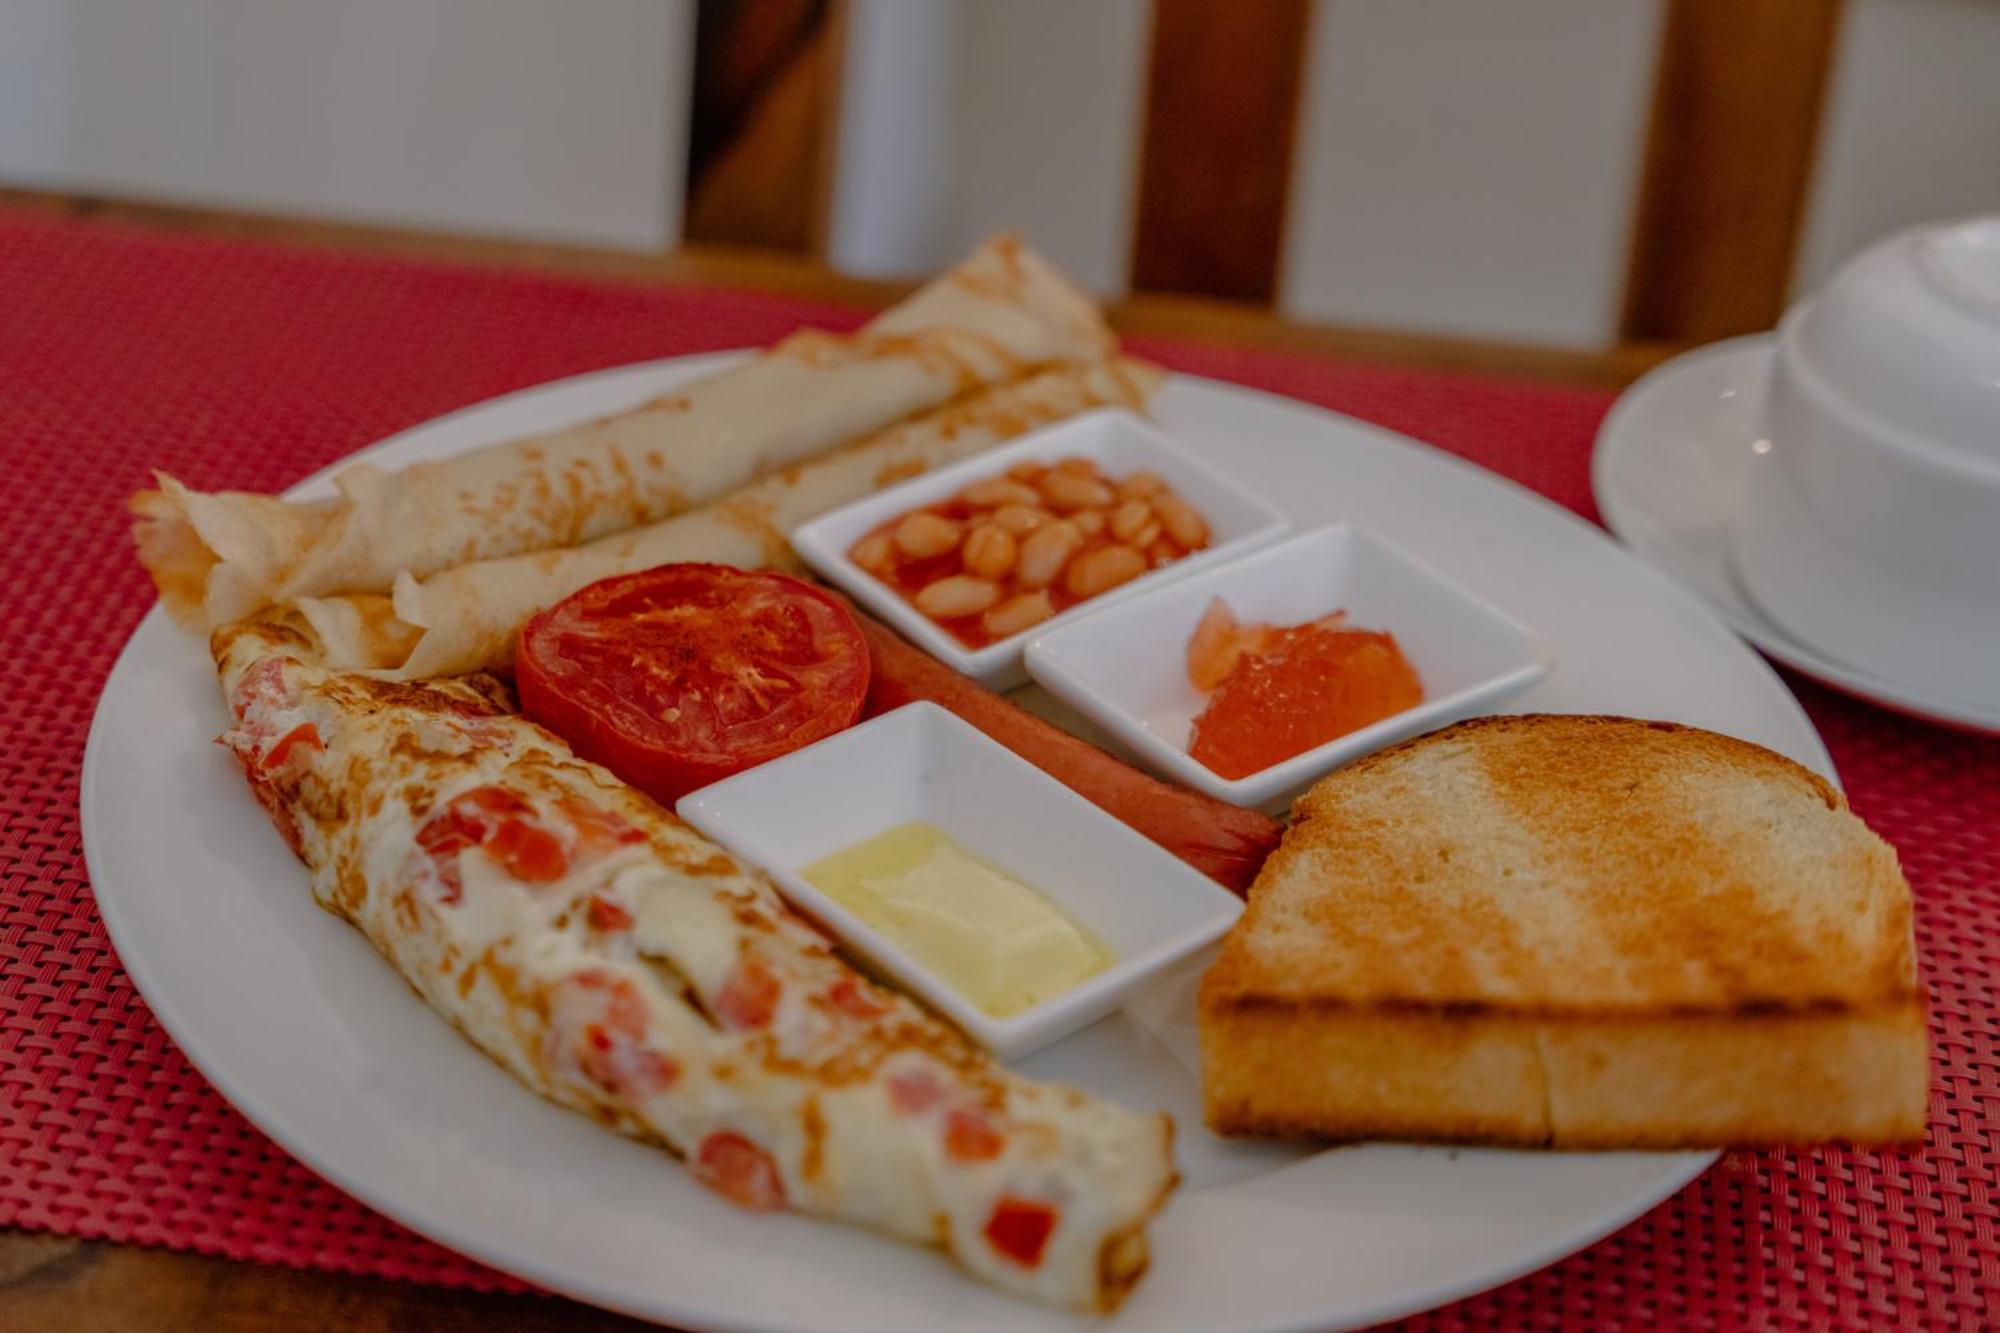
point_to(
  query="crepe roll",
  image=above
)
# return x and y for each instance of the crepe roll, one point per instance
(466, 619)
(218, 556)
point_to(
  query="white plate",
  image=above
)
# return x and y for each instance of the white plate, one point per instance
(1111, 667)
(293, 1017)
(1670, 471)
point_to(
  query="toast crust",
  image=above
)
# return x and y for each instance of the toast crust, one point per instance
(1300, 1073)
(1573, 932)
(1776, 1080)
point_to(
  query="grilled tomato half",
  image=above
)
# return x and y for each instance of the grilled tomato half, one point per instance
(679, 676)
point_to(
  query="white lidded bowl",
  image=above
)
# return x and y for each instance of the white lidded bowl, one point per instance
(1871, 524)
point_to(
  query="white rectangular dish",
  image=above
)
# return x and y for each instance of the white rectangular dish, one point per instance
(921, 763)
(1125, 666)
(1120, 443)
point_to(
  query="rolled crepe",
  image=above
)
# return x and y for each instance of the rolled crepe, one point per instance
(217, 557)
(466, 619)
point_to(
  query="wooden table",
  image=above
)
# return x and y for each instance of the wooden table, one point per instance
(58, 1283)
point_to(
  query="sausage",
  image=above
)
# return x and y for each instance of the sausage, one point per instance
(1223, 841)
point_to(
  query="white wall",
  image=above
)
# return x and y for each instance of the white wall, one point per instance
(960, 118)
(1470, 166)
(1463, 166)
(561, 121)
(894, 194)
(1051, 98)
(1912, 126)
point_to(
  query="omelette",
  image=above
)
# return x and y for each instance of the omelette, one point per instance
(621, 965)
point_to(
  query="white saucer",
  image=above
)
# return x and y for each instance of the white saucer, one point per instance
(1669, 472)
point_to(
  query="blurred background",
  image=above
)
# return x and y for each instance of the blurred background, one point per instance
(1559, 173)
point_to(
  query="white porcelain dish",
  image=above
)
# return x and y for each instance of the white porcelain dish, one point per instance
(1870, 522)
(1125, 667)
(1150, 909)
(1670, 470)
(295, 1019)
(1120, 443)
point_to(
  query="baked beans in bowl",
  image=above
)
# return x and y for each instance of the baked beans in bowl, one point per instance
(1003, 554)
(971, 560)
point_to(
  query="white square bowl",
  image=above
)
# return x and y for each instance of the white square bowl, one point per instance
(1125, 666)
(1120, 443)
(921, 763)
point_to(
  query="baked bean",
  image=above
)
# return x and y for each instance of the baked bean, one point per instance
(1030, 541)
(1066, 490)
(997, 491)
(875, 553)
(1101, 570)
(1045, 552)
(989, 551)
(1016, 614)
(1183, 524)
(1128, 518)
(956, 595)
(923, 535)
(1021, 520)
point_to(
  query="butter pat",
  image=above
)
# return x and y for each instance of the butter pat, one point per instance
(990, 937)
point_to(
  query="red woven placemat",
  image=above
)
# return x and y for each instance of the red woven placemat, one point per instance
(250, 366)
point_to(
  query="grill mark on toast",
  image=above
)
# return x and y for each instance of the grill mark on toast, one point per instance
(1755, 1007)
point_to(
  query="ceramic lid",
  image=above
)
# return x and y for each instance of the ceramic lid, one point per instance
(1907, 333)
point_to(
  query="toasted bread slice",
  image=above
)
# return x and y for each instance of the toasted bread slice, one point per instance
(1571, 931)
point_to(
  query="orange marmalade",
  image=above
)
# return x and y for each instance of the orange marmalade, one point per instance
(1278, 691)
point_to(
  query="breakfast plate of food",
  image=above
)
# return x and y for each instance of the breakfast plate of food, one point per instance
(583, 884)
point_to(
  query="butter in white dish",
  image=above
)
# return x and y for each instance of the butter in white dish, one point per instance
(918, 763)
(997, 941)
